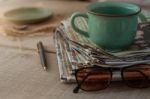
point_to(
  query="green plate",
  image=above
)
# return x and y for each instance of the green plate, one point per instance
(27, 15)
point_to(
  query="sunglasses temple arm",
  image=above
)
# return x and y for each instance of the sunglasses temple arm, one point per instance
(141, 73)
(76, 89)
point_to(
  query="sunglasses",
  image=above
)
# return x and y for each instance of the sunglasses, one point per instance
(97, 78)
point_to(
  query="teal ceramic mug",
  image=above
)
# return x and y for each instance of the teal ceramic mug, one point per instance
(111, 25)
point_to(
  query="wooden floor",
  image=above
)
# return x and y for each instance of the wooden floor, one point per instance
(21, 75)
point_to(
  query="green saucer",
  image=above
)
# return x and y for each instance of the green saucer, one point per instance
(28, 15)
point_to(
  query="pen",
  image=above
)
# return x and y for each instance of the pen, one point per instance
(42, 55)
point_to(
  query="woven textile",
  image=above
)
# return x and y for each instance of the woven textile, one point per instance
(19, 30)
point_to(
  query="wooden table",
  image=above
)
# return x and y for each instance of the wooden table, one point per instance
(21, 74)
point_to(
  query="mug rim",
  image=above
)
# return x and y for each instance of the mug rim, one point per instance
(114, 15)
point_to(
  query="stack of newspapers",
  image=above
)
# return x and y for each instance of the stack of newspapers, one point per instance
(75, 51)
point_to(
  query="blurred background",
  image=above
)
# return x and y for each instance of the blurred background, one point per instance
(62, 9)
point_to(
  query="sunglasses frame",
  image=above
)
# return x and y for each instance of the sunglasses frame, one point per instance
(109, 69)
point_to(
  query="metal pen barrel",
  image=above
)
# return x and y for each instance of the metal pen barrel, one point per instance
(42, 55)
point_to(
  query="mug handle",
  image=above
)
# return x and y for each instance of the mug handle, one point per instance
(73, 17)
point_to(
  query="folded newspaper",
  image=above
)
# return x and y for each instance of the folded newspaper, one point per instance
(75, 51)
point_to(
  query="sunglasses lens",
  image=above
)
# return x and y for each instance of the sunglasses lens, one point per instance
(137, 76)
(93, 79)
